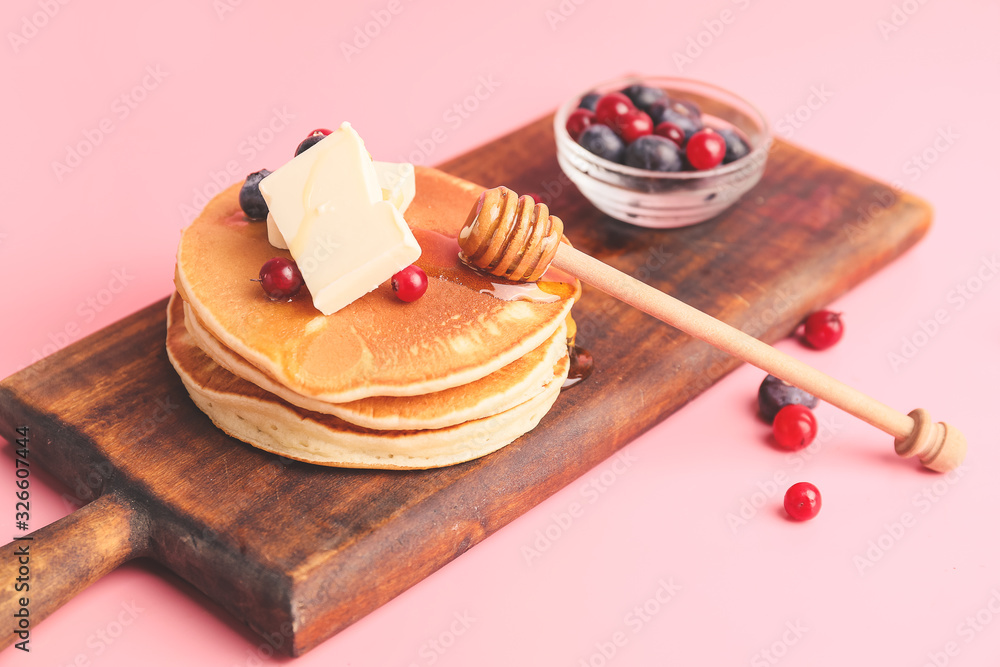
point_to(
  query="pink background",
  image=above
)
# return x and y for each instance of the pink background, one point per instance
(899, 80)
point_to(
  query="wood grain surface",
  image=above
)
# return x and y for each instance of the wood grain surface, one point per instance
(304, 551)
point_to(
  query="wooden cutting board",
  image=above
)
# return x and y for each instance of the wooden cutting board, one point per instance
(304, 551)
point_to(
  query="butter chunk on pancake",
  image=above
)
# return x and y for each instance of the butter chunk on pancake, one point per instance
(376, 346)
(253, 415)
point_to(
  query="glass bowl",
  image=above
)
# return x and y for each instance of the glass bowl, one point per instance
(668, 199)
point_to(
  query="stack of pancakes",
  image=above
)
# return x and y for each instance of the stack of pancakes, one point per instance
(459, 373)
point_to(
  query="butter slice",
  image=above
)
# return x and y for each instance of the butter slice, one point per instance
(274, 237)
(397, 181)
(327, 204)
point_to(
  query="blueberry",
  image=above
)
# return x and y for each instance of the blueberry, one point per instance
(654, 152)
(775, 394)
(251, 200)
(602, 141)
(589, 101)
(736, 147)
(686, 107)
(656, 110)
(663, 112)
(643, 96)
(309, 142)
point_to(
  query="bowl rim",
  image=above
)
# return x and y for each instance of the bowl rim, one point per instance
(754, 159)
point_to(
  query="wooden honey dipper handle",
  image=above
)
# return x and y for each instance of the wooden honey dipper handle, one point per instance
(491, 240)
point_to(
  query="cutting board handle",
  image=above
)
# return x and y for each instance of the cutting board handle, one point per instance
(42, 571)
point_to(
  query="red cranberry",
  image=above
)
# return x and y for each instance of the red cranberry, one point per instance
(803, 501)
(579, 121)
(823, 329)
(280, 278)
(410, 283)
(670, 131)
(611, 108)
(705, 149)
(634, 125)
(794, 427)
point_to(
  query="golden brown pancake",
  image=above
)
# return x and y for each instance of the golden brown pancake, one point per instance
(260, 418)
(377, 346)
(497, 392)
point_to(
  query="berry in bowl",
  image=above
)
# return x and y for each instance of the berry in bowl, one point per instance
(661, 151)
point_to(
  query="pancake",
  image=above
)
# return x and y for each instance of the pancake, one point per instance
(253, 415)
(457, 333)
(497, 392)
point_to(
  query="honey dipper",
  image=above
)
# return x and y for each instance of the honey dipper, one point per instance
(514, 238)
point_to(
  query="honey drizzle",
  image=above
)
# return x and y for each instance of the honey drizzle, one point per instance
(581, 365)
